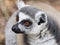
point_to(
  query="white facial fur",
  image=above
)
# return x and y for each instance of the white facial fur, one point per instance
(31, 29)
(35, 28)
(23, 16)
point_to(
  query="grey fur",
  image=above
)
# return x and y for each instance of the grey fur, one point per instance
(54, 29)
(52, 25)
(10, 36)
(31, 11)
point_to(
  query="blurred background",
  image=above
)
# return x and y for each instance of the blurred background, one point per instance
(7, 7)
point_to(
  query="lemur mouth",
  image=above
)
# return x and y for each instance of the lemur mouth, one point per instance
(15, 29)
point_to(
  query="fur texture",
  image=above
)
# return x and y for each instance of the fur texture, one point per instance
(41, 34)
(49, 36)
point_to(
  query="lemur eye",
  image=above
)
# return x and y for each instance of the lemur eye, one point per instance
(17, 18)
(26, 23)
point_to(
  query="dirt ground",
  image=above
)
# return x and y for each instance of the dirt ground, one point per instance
(6, 9)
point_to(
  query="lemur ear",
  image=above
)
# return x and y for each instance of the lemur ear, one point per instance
(20, 4)
(41, 18)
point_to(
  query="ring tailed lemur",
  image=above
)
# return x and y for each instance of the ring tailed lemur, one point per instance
(38, 27)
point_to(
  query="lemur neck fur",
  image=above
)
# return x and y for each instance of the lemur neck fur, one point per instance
(46, 36)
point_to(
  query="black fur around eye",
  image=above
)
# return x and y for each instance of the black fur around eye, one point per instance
(26, 23)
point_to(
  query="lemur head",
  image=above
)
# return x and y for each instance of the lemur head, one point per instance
(30, 20)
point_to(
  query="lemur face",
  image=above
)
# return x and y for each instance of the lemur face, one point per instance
(30, 21)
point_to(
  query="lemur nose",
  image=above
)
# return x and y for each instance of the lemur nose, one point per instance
(16, 29)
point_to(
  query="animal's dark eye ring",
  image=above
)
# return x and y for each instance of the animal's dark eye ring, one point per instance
(17, 18)
(26, 23)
